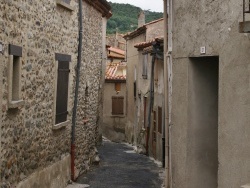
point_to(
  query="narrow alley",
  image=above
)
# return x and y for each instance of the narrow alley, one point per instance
(121, 167)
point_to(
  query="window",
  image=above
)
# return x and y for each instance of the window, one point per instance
(144, 66)
(135, 90)
(159, 119)
(62, 88)
(118, 87)
(14, 76)
(117, 105)
(154, 126)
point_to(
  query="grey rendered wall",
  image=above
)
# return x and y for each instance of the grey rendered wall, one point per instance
(213, 25)
(113, 125)
(155, 30)
(159, 102)
(132, 65)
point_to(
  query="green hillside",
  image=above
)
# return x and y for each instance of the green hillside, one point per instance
(125, 17)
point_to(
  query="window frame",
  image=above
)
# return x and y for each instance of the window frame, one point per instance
(115, 112)
(61, 58)
(145, 66)
(14, 76)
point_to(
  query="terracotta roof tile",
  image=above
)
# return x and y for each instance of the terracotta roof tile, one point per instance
(111, 71)
(141, 29)
(149, 43)
(116, 50)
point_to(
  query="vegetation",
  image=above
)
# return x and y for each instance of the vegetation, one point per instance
(125, 17)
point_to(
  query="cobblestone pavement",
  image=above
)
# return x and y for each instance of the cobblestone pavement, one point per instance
(121, 167)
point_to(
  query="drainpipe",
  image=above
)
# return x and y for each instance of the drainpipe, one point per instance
(169, 75)
(165, 119)
(151, 99)
(79, 58)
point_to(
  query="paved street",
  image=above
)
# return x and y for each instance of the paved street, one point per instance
(121, 167)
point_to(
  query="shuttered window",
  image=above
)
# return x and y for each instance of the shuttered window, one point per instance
(135, 90)
(145, 66)
(62, 91)
(159, 119)
(117, 105)
(154, 126)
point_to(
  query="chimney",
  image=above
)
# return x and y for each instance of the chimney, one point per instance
(141, 19)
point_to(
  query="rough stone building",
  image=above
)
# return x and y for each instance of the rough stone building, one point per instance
(38, 56)
(210, 95)
(116, 40)
(138, 81)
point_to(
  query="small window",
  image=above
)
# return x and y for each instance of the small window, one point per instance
(62, 88)
(14, 76)
(145, 67)
(117, 105)
(118, 87)
(159, 119)
(154, 126)
(135, 90)
(145, 111)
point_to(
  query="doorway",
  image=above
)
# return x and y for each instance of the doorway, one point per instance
(202, 131)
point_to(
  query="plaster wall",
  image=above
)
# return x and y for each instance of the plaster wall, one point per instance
(213, 24)
(113, 125)
(155, 30)
(132, 70)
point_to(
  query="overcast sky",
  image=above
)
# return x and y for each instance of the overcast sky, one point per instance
(153, 5)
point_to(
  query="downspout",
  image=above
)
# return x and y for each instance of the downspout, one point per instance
(151, 99)
(170, 74)
(166, 115)
(79, 58)
(165, 119)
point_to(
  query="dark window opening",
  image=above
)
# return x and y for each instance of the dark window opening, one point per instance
(117, 105)
(62, 92)
(159, 119)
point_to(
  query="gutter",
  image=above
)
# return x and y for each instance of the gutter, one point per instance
(79, 58)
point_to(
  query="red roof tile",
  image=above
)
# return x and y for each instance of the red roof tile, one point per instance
(149, 43)
(111, 71)
(116, 50)
(140, 30)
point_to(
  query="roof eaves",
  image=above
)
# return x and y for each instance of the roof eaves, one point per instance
(135, 33)
(102, 6)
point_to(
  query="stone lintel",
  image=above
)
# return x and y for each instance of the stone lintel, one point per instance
(244, 27)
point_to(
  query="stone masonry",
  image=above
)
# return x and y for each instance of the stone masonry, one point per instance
(28, 141)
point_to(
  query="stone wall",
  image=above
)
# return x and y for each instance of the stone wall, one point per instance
(28, 141)
(86, 129)
(42, 28)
